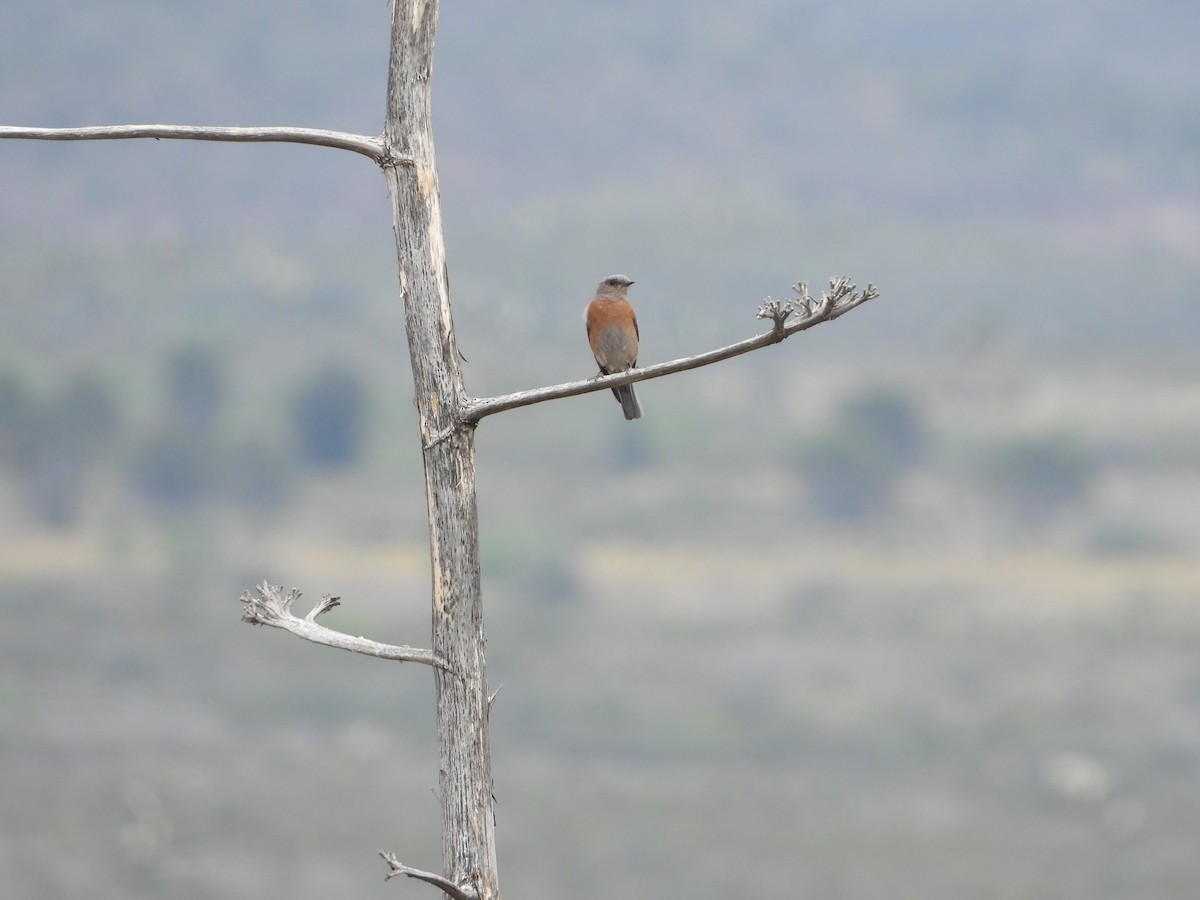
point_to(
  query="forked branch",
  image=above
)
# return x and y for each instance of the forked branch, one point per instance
(448, 887)
(787, 317)
(273, 607)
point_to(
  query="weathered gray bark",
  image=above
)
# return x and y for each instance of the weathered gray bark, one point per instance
(465, 780)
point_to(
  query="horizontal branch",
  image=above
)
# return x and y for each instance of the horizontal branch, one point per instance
(273, 607)
(788, 317)
(371, 147)
(448, 887)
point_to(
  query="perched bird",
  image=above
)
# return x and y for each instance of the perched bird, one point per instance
(613, 333)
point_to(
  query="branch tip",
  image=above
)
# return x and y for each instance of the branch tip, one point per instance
(327, 603)
(775, 310)
(492, 698)
(270, 606)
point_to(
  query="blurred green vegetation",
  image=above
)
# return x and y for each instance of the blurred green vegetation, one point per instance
(329, 416)
(1038, 477)
(855, 596)
(904, 607)
(49, 444)
(852, 470)
(60, 450)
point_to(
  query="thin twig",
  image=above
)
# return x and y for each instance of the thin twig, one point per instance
(273, 607)
(457, 891)
(491, 700)
(788, 317)
(371, 147)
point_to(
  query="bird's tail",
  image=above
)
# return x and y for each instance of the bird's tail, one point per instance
(629, 401)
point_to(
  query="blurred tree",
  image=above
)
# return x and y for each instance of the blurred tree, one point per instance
(18, 411)
(185, 461)
(52, 445)
(852, 469)
(1037, 477)
(195, 387)
(173, 470)
(176, 470)
(329, 418)
(88, 415)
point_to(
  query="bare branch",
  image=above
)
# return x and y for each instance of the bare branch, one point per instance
(776, 310)
(273, 607)
(457, 891)
(327, 603)
(371, 147)
(491, 700)
(788, 317)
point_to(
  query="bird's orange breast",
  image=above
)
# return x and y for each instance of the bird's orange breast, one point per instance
(613, 334)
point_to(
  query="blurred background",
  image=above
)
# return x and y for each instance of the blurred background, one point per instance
(905, 607)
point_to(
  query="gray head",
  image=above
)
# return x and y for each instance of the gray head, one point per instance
(614, 286)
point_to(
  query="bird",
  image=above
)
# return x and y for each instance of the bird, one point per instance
(612, 331)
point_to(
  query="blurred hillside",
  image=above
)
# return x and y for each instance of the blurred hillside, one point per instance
(1026, 168)
(906, 607)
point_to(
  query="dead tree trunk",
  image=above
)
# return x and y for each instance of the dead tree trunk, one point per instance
(448, 418)
(465, 779)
